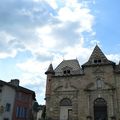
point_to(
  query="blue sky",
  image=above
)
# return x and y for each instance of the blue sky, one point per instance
(34, 33)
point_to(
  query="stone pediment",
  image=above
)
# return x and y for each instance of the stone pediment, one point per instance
(104, 86)
(90, 86)
(109, 86)
(65, 87)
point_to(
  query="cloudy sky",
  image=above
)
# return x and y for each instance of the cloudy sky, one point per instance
(34, 33)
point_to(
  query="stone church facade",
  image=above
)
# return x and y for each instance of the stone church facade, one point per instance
(87, 92)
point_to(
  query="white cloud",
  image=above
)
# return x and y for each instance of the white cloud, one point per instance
(45, 37)
(42, 39)
(53, 3)
(114, 57)
(28, 79)
(33, 66)
(33, 76)
(54, 32)
(95, 42)
(6, 37)
(6, 43)
(6, 54)
(78, 51)
(77, 14)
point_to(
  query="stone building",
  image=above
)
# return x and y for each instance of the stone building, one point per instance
(87, 92)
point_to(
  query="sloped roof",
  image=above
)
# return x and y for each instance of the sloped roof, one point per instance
(71, 64)
(50, 69)
(97, 54)
(18, 88)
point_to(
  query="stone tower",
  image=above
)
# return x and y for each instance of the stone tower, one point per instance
(50, 72)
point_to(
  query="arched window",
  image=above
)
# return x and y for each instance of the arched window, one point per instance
(65, 102)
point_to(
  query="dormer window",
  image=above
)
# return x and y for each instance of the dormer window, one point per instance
(96, 61)
(66, 72)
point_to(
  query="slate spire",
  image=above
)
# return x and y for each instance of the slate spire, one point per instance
(97, 57)
(50, 69)
(97, 54)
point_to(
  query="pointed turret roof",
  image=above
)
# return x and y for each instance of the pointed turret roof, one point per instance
(97, 57)
(97, 53)
(50, 70)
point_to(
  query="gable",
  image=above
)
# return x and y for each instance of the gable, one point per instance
(68, 67)
(98, 86)
(97, 58)
(66, 87)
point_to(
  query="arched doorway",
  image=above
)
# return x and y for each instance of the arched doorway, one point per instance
(65, 109)
(100, 109)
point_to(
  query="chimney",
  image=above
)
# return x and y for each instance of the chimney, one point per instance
(15, 82)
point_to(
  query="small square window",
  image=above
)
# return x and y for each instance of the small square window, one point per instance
(95, 61)
(68, 71)
(8, 106)
(99, 61)
(64, 72)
